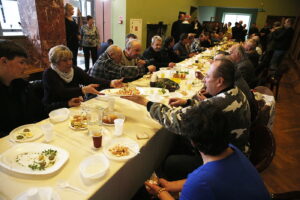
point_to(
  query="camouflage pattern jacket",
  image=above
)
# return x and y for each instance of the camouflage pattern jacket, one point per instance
(233, 102)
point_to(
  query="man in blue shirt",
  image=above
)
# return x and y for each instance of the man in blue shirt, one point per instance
(226, 172)
(104, 46)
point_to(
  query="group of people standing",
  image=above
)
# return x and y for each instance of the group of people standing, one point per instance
(86, 37)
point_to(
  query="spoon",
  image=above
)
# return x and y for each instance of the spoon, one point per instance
(65, 184)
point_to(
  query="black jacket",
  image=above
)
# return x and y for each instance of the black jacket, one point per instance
(155, 58)
(20, 105)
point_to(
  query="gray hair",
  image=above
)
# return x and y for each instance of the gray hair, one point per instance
(59, 53)
(130, 43)
(156, 37)
(252, 43)
(241, 51)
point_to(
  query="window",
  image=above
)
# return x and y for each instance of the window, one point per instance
(232, 17)
(10, 18)
(85, 6)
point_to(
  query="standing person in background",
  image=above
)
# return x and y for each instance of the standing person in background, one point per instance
(197, 27)
(72, 32)
(244, 33)
(264, 32)
(253, 30)
(229, 28)
(175, 31)
(90, 41)
(282, 41)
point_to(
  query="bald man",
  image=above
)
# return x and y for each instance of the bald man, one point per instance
(108, 66)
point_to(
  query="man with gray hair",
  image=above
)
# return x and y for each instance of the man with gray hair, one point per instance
(153, 53)
(108, 66)
(243, 64)
(250, 49)
(131, 54)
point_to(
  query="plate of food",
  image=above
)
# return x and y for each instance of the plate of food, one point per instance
(121, 149)
(34, 158)
(26, 133)
(153, 91)
(109, 117)
(79, 121)
(125, 91)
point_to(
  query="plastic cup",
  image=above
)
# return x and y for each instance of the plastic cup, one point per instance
(119, 123)
(33, 194)
(48, 132)
(97, 137)
(111, 104)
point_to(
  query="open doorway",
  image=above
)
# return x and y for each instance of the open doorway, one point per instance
(236, 17)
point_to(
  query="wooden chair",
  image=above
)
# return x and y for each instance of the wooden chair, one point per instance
(262, 147)
(274, 84)
(292, 195)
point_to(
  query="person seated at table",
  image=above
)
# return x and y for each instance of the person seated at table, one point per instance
(21, 100)
(108, 66)
(225, 96)
(130, 36)
(205, 40)
(225, 174)
(250, 50)
(153, 54)
(131, 57)
(239, 58)
(167, 51)
(196, 45)
(20, 104)
(181, 49)
(104, 46)
(242, 85)
(62, 81)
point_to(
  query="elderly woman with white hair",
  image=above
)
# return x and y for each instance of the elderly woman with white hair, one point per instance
(63, 81)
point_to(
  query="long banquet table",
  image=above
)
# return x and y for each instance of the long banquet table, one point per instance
(123, 178)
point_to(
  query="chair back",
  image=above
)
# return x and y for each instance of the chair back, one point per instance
(262, 146)
(291, 195)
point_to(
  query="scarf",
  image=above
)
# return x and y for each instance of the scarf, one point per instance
(67, 77)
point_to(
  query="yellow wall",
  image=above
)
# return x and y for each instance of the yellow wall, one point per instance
(272, 7)
(154, 11)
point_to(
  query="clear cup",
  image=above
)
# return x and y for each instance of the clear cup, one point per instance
(111, 104)
(101, 111)
(119, 123)
(48, 132)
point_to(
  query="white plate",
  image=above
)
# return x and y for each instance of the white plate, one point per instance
(113, 92)
(42, 191)
(8, 158)
(34, 129)
(94, 167)
(119, 116)
(77, 129)
(59, 115)
(153, 91)
(131, 144)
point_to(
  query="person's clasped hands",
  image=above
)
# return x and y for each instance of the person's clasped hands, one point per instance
(163, 186)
